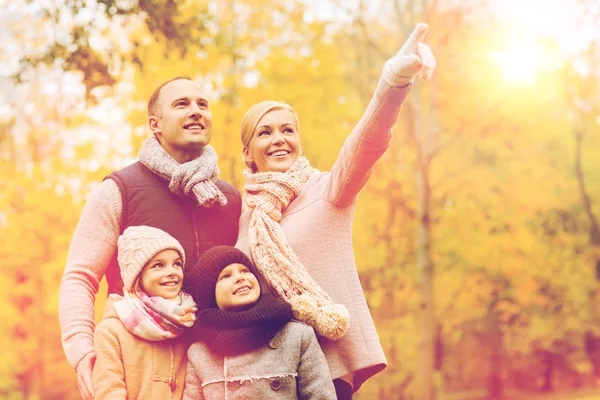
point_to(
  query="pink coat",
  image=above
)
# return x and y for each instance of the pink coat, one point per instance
(318, 227)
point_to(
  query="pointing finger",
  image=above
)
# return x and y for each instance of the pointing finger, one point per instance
(416, 36)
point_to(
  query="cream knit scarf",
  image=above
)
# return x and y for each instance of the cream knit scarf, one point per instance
(268, 194)
(197, 177)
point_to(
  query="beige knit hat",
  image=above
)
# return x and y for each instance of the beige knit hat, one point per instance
(137, 245)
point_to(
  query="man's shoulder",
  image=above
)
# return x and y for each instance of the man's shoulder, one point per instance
(130, 169)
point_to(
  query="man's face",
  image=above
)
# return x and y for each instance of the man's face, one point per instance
(184, 121)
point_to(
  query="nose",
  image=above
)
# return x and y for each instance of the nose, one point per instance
(239, 277)
(194, 110)
(170, 270)
(277, 137)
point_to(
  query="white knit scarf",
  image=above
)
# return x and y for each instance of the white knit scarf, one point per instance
(198, 176)
(268, 194)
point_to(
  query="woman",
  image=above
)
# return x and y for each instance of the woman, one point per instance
(299, 220)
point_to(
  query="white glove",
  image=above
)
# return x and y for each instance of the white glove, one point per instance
(414, 57)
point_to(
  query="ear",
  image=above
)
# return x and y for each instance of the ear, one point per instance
(153, 124)
(248, 157)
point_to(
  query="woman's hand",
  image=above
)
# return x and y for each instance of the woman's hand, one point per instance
(414, 57)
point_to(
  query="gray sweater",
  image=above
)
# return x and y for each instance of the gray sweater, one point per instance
(291, 366)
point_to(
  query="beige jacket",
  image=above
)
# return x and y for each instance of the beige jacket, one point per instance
(129, 367)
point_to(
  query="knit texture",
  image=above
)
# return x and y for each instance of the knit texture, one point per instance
(201, 279)
(155, 318)
(267, 195)
(197, 177)
(137, 245)
(233, 333)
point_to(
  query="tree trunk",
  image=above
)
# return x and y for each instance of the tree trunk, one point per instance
(592, 341)
(425, 371)
(496, 341)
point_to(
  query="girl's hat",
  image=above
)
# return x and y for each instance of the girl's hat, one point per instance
(137, 245)
(201, 280)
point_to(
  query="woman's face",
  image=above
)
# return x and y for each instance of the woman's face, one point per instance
(275, 143)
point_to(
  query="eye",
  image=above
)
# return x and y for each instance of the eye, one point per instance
(224, 276)
(262, 133)
(178, 264)
(202, 104)
(289, 130)
(157, 265)
(180, 104)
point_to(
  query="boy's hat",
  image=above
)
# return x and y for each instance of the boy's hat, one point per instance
(137, 245)
(201, 280)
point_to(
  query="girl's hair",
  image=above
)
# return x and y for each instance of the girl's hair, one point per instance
(256, 112)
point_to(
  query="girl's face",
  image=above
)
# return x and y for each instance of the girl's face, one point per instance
(237, 288)
(163, 275)
(275, 143)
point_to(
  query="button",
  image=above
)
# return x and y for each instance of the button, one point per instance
(235, 385)
(275, 385)
(273, 343)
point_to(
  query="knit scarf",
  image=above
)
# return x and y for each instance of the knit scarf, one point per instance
(197, 177)
(234, 333)
(154, 318)
(268, 194)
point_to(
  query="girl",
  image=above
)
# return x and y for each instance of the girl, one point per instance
(248, 346)
(140, 351)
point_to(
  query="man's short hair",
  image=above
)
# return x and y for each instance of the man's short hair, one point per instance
(153, 108)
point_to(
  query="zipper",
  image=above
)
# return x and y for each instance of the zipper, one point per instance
(196, 236)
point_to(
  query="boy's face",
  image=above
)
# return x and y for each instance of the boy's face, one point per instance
(237, 288)
(163, 275)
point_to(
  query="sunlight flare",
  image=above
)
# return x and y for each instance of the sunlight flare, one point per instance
(520, 63)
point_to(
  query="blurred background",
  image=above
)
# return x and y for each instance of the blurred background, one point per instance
(477, 237)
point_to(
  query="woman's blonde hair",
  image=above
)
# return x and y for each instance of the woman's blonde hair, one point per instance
(256, 112)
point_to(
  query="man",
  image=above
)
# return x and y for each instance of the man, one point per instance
(173, 187)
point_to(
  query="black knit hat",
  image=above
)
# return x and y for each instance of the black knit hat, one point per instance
(202, 278)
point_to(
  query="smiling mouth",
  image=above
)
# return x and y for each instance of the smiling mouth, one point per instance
(279, 153)
(170, 283)
(193, 125)
(243, 289)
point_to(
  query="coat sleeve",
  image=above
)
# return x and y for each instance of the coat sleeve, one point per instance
(92, 247)
(193, 384)
(108, 377)
(314, 378)
(366, 143)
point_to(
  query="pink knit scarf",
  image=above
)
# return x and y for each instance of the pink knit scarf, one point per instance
(154, 318)
(197, 177)
(268, 194)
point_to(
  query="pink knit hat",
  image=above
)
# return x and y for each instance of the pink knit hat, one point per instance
(137, 245)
